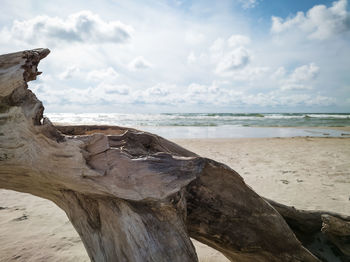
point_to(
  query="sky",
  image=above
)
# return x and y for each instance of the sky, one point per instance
(185, 56)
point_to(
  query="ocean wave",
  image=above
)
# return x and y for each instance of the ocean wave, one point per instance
(203, 119)
(329, 116)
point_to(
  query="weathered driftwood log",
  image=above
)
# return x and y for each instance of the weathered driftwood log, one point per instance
(325, 234)
(134, 196)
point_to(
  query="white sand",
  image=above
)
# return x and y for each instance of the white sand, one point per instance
(309, 173)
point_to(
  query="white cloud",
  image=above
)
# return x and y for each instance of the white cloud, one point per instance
(273, 99)
(230, 55)
(110, 89)
(194, 38)
(300, 79)
(305, 72)
(191, 58)
(234, 60)
(294, 86)
(238, 40)
(218, 45)
(197, 89)
(321, 100)
(69, 72)
(278, 25)
(172, 95)
(83, 27)
(305, 99)
(279, 73)
(211, 94)
(248, 3)
(139, 63)
(106, 75)
(319, 22)
(159, 94)
(100, 94)
(250, 73)
(158, 90)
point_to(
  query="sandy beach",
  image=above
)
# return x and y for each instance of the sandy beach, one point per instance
(308, 173)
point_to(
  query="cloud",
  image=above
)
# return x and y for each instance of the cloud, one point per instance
(305, 72)
(234, 60)
(248, 3)
(106, 75)
(273, 99)
(191, 58)
(107, 87)
(197, 89)
(108, 94)
(295, 86)
(230, 55)
(300, 78)
(158, 90)
(69, 72)
(251, 73)
(308, 100)
(81, 27)
(218, 45)
(238, 40)
(279, 73)
(194, 38)
(159, 94)
(319, 22)
(111, 89)
(139, 63)
(101, 94)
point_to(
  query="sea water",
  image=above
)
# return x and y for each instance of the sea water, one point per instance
(216, 125)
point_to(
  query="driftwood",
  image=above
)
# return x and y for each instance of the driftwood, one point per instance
(324, 233)
(134, 196)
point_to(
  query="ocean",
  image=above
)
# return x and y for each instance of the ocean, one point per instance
(216, 125)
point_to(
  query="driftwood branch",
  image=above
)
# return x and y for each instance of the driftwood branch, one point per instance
(324, 233)
(134, 196)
